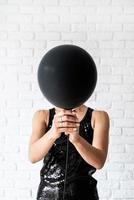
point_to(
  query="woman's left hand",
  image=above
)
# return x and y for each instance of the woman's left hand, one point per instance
(69, 124)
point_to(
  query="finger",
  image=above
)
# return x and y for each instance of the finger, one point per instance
(70, 118)
(70, 124)
(62, 129)
(62, 112)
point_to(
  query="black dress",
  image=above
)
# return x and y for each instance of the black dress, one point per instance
(80, 185)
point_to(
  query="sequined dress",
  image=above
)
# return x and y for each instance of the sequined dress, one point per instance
(80, 185)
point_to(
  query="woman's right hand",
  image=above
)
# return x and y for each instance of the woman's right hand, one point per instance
(69, 122)
(54, 128)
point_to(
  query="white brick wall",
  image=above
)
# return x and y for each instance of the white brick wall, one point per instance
(28, 28)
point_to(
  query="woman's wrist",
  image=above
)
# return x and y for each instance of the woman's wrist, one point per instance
(75, 140)
(51, 135)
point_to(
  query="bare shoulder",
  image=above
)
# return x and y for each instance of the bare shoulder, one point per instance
(41, 115)
(100, 116)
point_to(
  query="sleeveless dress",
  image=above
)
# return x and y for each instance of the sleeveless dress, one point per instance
(80, 185)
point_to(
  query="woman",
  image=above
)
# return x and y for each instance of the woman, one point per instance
(88, 133)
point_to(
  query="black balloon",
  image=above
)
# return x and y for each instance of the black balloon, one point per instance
(67, 76)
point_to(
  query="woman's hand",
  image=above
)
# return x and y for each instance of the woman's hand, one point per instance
(66, 121)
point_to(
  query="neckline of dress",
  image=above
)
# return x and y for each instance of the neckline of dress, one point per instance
(84, 117)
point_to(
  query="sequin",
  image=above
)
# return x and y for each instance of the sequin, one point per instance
(80, 184)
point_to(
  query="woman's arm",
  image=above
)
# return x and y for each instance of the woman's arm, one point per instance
(96, 153)
(40, 142)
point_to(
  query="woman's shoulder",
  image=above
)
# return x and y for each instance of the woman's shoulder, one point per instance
(41, 115)
(100, 116)
(99, 112)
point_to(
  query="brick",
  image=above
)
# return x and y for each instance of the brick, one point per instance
(3, 35)
(33, 44)
(10, 61)
(71, 3)
(128, 79)
(99, 35)
(104, 194)
(46, 2)
(111, 44)
(102, 88)
(26, 104)
(17, 192)
(123, 70)
(10, 166)
(128, 27)
(29, 61)
(123, 139)
(47, 36)
(121, 157)
(125, 53)
(127, 184)
(109, 9)
(62, 27)
(7, 9)
(114, 130)
(129, 148)
(31, 27)
(124, 122)
(123, 2)
(51, 18)
(20, 35)
(19, 18)
(9, 44)
(98, 18)
(2, 52)
(130, 62)
(129, 105)
(98, 3)
(4, 183)
(119, 175)
(109, 27)
(9, 27)
(115, 62)
(110, 79)
(116, 148)
(123, 36)
(1, 192)
(111, 166)
(124, 194)
(122, 18)
(18, 174)
(83, 10)
(129, 9)
(128, 131)
(31, 9)
(71, 18)
(20, 2)
(82, 27)
(56, 10)
(117, 114)
(129, 166)
(19, 52)
(73, 36)
(129, 44)
(100, 52)
(3, 1)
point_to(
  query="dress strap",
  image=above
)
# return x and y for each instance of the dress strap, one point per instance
(51, 115)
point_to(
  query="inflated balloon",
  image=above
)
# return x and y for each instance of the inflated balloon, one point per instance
(67, 76)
